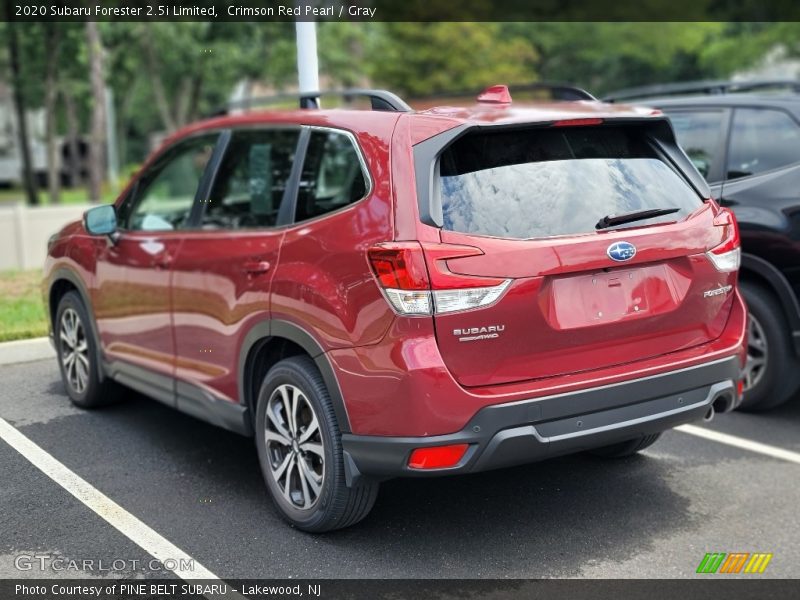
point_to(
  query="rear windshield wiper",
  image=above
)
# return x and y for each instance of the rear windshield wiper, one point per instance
(629, 217)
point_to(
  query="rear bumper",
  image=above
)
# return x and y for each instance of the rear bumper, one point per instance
(503, 435)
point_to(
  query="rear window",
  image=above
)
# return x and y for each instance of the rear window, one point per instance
(561, 181)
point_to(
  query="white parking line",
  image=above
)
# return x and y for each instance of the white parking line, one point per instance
(743, 443)
(131, 527)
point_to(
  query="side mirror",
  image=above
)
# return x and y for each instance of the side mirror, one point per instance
(101, 220)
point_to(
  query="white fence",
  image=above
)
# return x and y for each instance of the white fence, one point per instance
(24, 232)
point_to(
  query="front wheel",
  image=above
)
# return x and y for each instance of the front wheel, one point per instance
(300, 451)
(77, 355)
(626, 448)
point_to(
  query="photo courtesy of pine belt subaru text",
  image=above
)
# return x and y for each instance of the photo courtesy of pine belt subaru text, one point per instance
(388, 292)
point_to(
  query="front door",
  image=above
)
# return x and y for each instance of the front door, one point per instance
(132, 301)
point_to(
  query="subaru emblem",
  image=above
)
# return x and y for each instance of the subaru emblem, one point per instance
(621, 251)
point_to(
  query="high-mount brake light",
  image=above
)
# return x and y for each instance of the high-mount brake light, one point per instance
(577, 122)
(414, 290)
(727, 256)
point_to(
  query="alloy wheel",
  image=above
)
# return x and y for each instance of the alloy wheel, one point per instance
(757, 354)
(294, 447)
(74, 349)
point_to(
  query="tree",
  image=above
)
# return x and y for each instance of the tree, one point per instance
(51, 43)
(28, 178)
(422, 58)
(191, 68)
(605, 56)
(97, 135)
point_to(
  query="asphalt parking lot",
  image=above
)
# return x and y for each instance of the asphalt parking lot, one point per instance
(199, 487)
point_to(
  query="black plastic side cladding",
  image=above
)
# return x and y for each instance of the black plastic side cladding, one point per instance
(293, 333)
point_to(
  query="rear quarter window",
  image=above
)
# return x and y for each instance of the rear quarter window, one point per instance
(557, 181)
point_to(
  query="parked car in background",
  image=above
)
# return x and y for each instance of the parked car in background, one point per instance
(389, 292)
(747, 146)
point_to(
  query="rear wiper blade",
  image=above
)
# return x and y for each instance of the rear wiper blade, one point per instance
(637, 215)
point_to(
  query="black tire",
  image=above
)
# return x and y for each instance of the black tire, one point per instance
(334, 505)
(779, 376)
(626, 448)
(93, 392)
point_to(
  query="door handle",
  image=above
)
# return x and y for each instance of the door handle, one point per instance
(256, 267)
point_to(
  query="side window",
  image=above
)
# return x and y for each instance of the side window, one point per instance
(700, 133)
(762, 139)
(332, 175)
(165, 194)
(252, 179)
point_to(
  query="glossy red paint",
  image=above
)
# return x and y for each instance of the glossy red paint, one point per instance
(220, 289)
(132, 305)
(569, 311)
(183, 303)
(403, 387)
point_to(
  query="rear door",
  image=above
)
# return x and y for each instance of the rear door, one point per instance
(581, 297)
(222, 274)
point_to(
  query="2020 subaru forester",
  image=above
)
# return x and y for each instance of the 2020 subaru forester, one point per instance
(380, 293)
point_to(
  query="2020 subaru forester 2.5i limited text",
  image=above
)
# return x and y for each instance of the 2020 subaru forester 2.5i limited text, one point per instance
(382, 293)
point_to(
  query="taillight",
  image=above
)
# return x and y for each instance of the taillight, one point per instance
(401, 266)
(446, 301)
(412, 289)
(727, 256)
(437, 457)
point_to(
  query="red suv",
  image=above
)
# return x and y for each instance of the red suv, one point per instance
(381, 293)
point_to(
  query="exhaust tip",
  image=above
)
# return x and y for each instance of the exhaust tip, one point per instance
(710, 414)
(723, 404)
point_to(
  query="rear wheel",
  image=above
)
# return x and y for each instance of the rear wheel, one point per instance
(77, 355)
(771, 374)
(626, 448)
(300, 451)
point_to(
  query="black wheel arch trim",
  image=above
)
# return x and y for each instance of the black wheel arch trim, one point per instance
(67, 274)
(780, 286)
(264, 331)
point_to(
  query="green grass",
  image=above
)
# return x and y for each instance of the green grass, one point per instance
(22, 312)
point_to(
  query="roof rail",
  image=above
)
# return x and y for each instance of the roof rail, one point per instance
(379, 100)
(708, 87)
(559, 91)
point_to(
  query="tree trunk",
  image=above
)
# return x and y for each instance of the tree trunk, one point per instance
(123, 116)
(97, 136)
(28, 179)
(73, 133)
(51, 43)
(151, 66)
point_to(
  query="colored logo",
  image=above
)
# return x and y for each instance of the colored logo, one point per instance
(735, 562)
(621, 251)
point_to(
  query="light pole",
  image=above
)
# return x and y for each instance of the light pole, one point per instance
(307, 63)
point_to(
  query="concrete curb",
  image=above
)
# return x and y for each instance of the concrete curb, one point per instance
(20, 351)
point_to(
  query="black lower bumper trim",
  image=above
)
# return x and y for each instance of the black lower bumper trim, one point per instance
(530, 430)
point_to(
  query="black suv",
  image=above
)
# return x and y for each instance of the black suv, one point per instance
(747, 146)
